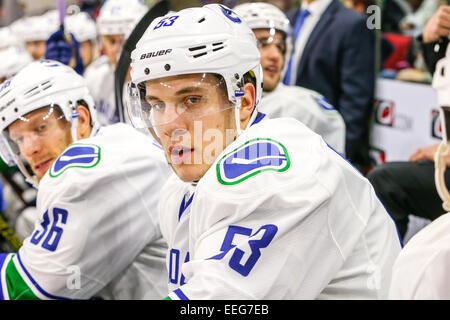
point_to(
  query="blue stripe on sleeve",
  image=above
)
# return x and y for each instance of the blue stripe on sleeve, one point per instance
(180, 294)
(48, 295)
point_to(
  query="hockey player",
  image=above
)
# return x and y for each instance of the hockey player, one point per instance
(12, 60)
(271, 28)
(34, 32)
(98, 231)
(85, 31)
(258, 208)
(421, 271)
(115, 22)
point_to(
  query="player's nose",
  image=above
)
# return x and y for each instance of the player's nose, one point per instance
(273, 53)
(173, 122)
(31, 145)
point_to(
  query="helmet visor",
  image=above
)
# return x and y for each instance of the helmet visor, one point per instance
(36, 139)
(158, 103)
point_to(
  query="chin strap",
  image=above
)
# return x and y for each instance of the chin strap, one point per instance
(440, 166)
(440, 163)
(237, 116)
(31, 179)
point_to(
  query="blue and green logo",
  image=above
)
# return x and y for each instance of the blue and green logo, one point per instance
(251, 158)
(77, 155)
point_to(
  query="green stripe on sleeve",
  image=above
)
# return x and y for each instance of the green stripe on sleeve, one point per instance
(17, 287)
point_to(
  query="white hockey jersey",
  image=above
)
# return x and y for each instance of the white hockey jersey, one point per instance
(279, 215)
(421, 271)
(98, 225)
(100, 81)
(308, 107)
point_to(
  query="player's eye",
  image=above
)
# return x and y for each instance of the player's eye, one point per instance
(261, 43)
(156, 106)
(17, 140)
(281, 47)
(42, 128)
(193, 101)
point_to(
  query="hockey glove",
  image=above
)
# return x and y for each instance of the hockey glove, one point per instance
(64, 48)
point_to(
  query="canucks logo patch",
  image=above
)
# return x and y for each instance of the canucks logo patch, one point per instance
(251, 158)
(76, 156)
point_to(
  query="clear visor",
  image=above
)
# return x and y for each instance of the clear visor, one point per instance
(36, 139)
(273, 37)
(156, 104)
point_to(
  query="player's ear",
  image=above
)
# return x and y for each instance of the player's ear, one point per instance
(247, 104)
(84, 122)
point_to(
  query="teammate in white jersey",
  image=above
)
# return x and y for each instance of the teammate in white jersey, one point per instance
(34, 32)
(271, 28)
(422, 270)
(257, 208)
(116, 20)
(12, 59)
(98, 231)
(85, 31)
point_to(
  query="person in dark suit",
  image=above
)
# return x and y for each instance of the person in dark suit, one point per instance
(334, 54)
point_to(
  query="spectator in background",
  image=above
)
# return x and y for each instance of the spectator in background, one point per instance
(414, 22)
(334, 54)
(414, 68)
(407, 187)
(421, 271)
(393, 11)
(434, 39)
(91, 7)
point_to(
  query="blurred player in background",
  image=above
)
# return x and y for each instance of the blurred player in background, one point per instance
(34, 31)
(85, 31)
(271, 28)
(115, 22)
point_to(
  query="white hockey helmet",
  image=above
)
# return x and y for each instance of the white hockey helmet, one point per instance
(40, 84)
(207, 40)
(262, 15)
(7, 38)
(37, 28)
(12, 60)
(120, 17)
(82, 26)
